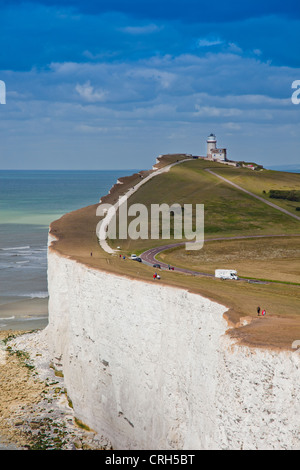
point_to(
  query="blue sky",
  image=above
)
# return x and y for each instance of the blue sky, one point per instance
(113, 84)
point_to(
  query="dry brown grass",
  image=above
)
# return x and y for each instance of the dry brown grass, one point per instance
(276, 259)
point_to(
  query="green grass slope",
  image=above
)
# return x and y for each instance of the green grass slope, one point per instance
(228, 211)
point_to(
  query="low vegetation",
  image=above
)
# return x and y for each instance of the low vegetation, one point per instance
(290, 195)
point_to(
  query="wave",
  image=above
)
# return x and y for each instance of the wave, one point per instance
(31, 295)
(32, 318)
(39, 295)
(20, 319)
(15, 248)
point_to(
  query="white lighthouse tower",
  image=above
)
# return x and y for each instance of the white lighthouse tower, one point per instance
(211, 144)
(213, 153)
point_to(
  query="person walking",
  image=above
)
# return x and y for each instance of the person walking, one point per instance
(258, 310)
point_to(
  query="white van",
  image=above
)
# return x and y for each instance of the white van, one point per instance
(226, 274)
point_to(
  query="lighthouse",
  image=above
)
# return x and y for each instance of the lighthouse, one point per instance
(211, 143)
(213, 153)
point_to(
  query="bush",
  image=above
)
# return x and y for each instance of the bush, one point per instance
(290, 195)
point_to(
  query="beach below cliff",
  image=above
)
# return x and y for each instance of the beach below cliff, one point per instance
(23, 314)
(35, 410)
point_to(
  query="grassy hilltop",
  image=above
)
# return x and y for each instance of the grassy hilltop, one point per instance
(229, 212)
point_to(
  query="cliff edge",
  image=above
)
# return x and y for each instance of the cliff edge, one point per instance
(150, 365)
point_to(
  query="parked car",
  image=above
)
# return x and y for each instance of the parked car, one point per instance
(137, 259)
(133, 256)
(156, 266)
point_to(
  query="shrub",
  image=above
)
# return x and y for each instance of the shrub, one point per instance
(290, 195)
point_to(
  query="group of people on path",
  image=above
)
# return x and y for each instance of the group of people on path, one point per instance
(263, 312)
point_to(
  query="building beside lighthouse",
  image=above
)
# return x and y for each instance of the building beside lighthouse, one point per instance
(213, 153)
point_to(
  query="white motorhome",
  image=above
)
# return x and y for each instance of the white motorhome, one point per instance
(226, 274)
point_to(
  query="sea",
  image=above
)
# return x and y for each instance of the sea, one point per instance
(29, 201)
(286, 168)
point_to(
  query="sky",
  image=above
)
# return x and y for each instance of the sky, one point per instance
(113, 84)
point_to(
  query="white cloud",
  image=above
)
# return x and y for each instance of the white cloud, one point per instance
(136, 30)
(234, 48)
(232, 126)
(91, 129)
(208, 42)
(163, 103)
(87, 92)
(164, 78)
(213, 111)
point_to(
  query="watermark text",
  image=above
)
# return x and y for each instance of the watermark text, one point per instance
(2, 92)
(160, 221)
(296, 94)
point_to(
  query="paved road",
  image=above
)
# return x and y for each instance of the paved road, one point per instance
(149, 256)
(254, 195)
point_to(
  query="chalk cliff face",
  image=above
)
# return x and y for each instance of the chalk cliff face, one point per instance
(150, 367)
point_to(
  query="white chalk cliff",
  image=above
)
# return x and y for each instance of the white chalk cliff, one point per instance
(150, 366)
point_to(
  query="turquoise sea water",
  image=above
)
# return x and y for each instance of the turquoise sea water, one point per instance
(287, 168)
(29, 202)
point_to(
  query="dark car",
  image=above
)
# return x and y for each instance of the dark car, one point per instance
(156, 266)
(137, 259)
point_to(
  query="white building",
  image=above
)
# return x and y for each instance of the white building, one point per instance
(213, 153)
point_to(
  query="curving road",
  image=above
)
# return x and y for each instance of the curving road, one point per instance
(149, 256)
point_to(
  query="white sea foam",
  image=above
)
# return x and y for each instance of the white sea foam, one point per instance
(32, 295)
(32, 318)
(39, 295)
(15, 248)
